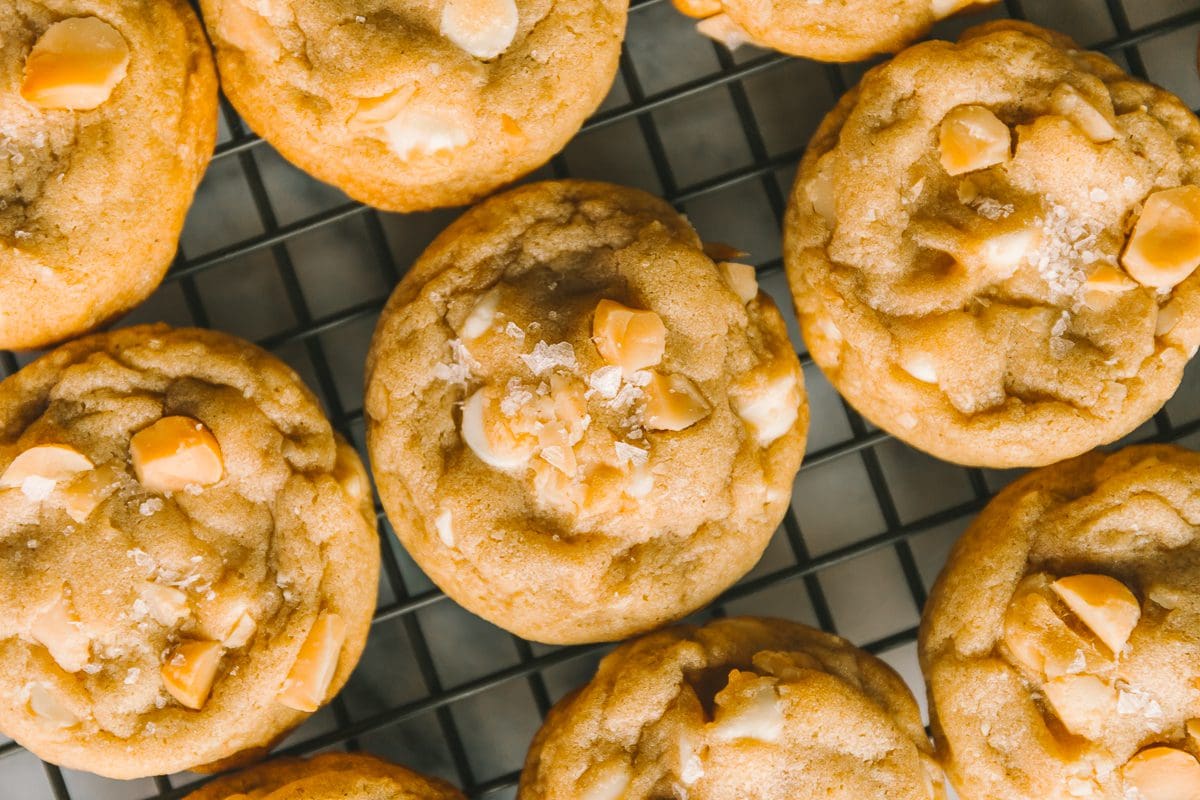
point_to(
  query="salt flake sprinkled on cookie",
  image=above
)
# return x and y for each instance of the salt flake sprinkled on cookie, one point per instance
(459, 370)
(546, 358)
(627, 453)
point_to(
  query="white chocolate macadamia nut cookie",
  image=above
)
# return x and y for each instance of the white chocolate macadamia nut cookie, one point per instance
(742, 708)
(329, 776)
(189, 553)
(416, 105)
(827, 30)
(1062, 642)
(581, 425)
(992, 247)
(108, 116)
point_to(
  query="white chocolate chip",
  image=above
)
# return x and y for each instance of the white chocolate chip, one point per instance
(756, 716)
(445, 527)
(723, 29)
(483, 28)
(46, 705)
(921, 366)
(425, 131)
(482, 316)
(772, 410)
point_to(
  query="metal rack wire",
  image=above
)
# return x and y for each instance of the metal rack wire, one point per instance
(405, 596)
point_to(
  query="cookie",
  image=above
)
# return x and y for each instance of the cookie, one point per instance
(189, 553)
(992, 247)
(425, 105)
(581, 425)
(108, 117)
(344, 776)
(757, 709)
(1062, 642)
(826, 30)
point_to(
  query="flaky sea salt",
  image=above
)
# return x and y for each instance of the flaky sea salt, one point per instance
(627, 453)
(462, 364)
(548, 357)
(605, 382)
(514, 331)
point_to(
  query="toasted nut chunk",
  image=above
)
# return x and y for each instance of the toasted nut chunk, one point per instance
(973, 138)
(1005, 252)
(1168, 317)
(606, 781)
(483, 28)
(720, 251)
(1165, 246)
(1104, 282)
(242, 631)
(482, 315)
(921, 366)
(820, 191)
(190, 671)
(167, 604)
(555, 449)
(673, 403)
(375, 112)
(1163, 773)
(627, 337)
(748, 708)
(82, 495)
(75, 65)
(1036, 636)
(1084, 703)
(44, 704)
(1103, 604)
(721, 28)
(1068, 102)
(311, 675)
(485, 433)
(768, 401)
(741, 278)
(698, 9)
(175, 453)
(244, 28)
(38, 470)
(56, 627)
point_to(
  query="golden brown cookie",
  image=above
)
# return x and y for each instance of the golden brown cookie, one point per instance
(827, 30)
(330, 776)
(747, 708)
(189, 552)
(1062, 641)
(992, 244)
(418, 105)
(581, 425)
(108, 115)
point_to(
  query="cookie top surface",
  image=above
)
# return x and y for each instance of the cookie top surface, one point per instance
(420, 104)
(992, 243)
(330, 776)
(739, 708)
(189, 552)
(827, 30)
(581, 426)
(1061, 642)
(108, 115)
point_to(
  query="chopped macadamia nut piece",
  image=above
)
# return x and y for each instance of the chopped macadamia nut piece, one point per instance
(741, 278)
(1036, 636)
(1105, 282)
(1068, 102)
(175, 453)
(481, 317)
(768, 404)
(242, 631)
(820, 191)
(245, 29)
(1084, 703)
(673, 403)
(1162, 773)
(190, 671)
(1168, 318)
(485, 432)
(973, 138)
(1005, 252)
(607, 781)
(167, 604)
(1103, 604)
(46, 706)
(721, 28)
(57, 628)
(75, 65)
(311, 675)
(748, 708)
(38, 470)
(627, 337)
(82, 495)
(1164, 249)
(483, 28)
(698, 9)
(375, 112)
(921, 366)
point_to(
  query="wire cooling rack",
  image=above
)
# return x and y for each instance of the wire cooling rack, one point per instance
(273, 256)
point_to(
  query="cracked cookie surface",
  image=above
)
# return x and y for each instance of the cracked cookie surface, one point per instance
(747, 708)
(827, 30)
(581, 425)
(108, 116)
(991, 245)
(344, 776)
(416, 105)
(189, 551)
(1061, 642)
